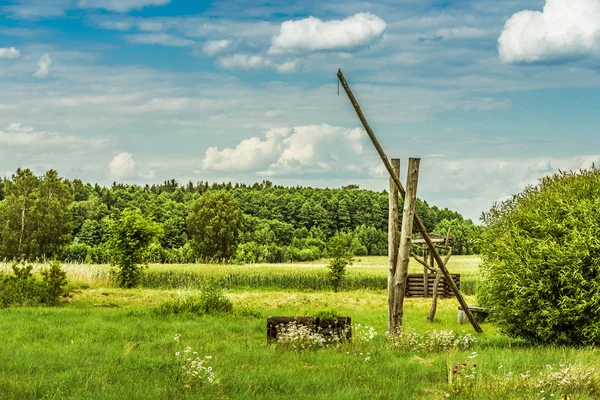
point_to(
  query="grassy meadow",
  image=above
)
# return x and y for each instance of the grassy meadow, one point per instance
(109, 343)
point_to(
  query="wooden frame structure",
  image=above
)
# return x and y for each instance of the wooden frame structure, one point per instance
(395, 177)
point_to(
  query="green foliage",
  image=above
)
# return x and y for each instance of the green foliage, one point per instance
(34, 220)
(214, 223)
(464, 233)
(43, 217)
(210, 300)
(541, 258)
(22, 288)
(339, 247)
(327, 315)
(130, 238)
(55, 281)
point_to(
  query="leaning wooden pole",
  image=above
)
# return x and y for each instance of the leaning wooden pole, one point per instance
(393, 243)
(408, 214)
(417, 221)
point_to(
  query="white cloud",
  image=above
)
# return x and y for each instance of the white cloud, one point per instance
(15, 127)
(43, 66)
(213, 47)
(303, 149)
(249, 62)
(9, 53)
(162, 39)
(563, 30)
(121, 6)
(251, 154)
(34, 9)
(20, 135)
(122, 166)
(312, 34)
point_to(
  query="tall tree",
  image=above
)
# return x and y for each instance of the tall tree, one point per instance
(53, 226)
(130, 237)
(214, 222)
(19, 216)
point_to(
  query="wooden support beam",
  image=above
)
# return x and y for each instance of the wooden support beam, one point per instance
(393, 243)
(408, 215)
(400, 188)
(425, 272)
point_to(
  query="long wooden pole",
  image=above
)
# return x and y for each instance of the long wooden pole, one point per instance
(392, 244)
(408, 214)
(418, 222)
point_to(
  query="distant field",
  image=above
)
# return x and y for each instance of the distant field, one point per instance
(365, 273)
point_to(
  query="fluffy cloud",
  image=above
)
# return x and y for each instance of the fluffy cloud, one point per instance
(249, 62)
(121, 6)
(43, 66)
(304, 149)
(565, 29)
(162, 39)
(9, 53)
(312, 34)
(213, 47)
(122, 166)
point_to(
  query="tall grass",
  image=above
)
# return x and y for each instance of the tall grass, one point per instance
(369, 273)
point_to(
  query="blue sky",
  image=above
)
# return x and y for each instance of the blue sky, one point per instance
(490, 94)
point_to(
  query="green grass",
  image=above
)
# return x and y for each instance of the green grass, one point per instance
(106, 343)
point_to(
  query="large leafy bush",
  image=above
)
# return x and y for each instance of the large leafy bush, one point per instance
(541, 260)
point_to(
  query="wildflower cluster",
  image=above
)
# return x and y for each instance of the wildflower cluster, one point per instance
(431, 341)
(566, 378)
(364, 333)
(194, 370)
(461, 377)
(299, 337)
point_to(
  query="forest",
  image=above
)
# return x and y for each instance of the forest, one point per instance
(50, 217)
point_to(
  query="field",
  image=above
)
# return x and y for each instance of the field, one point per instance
(108, 343)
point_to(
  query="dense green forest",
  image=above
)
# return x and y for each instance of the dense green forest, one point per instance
(52, 217)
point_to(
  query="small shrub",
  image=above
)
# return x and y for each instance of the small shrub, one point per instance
(340, 259)
(182, 304)
(213, 299)
(55, 282)
(327, 315)
(210, 300)
(22, 288)
(247, 312)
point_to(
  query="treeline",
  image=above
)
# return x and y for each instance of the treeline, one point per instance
(51, 217)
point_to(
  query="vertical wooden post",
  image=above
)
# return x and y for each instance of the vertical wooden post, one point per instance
(393, 243)
(425, 272)
(431, 263)
(408, 215)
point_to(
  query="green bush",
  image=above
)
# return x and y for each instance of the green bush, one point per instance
(339, 247)
(76, 252)
(541, 261)
(22, 288)
(210, 300)
(54, 282)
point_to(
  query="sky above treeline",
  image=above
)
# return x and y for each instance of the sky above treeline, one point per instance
(490, 94)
